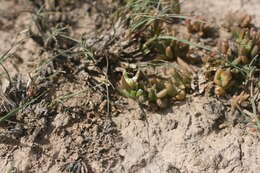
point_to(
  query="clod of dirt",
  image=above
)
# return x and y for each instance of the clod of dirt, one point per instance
(61, 120)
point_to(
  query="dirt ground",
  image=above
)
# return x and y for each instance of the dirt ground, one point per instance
(77, 134)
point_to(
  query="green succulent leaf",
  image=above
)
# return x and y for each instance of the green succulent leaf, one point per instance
(140, 92)
(132, 82)
(152, 94)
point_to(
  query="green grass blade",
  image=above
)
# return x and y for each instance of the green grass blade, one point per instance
(67, 96)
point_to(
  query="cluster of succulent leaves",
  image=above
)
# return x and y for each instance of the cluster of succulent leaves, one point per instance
(131, 87)
(168, 49)
(238, 58)
(223, 80)
(154, 89)
(243, 49)
(236, 66)
(149, 21)
(199, 25)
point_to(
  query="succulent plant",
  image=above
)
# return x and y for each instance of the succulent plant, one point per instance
(244, 49)
(155, 89)
(164, 91)
(249, 41)
(174, 87)
(222, 79)
(130, 83)
(199, 26)
(162, 102)
(130, 87)
(160, 92)
(170, 49)
(181, 82)
(237, 100)
(237, 53)
(179, 49)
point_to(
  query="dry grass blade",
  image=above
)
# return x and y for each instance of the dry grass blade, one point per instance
(14, 111)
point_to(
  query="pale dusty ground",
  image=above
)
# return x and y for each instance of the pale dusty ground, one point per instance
(184, 138)
(219, 8)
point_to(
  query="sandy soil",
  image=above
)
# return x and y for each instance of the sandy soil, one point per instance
(187, 138)
(218, 9)
(191, 136)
